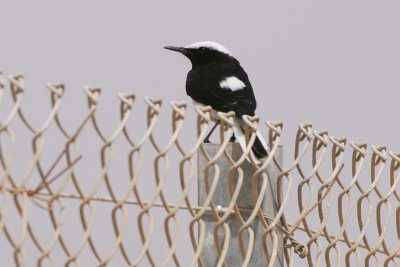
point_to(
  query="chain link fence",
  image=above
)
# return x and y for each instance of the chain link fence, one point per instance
(81, 198)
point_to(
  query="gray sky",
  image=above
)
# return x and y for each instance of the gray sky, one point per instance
(333, 63)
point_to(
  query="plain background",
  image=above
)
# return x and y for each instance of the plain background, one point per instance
(333, 63)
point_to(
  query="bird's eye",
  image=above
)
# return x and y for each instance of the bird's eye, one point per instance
(202, 49)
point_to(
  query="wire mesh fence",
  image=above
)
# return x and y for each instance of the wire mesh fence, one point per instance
(81, 198)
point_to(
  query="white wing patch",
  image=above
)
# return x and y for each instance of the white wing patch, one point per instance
(211, 45)
(232, 83)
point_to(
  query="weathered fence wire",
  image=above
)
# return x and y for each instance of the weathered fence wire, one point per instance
(354, 223)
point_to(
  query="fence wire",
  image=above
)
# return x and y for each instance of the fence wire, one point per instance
(337, 200)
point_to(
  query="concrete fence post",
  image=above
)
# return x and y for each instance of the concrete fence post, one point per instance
(222, 198)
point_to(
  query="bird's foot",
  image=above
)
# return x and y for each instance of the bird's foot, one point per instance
(206, 140)
(232, 139)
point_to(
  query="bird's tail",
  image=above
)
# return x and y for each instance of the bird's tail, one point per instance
(259, 147)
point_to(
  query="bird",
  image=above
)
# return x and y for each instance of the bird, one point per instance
(218, 80)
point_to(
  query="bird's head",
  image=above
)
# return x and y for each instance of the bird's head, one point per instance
(203, 52)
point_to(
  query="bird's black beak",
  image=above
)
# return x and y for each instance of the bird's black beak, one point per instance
(181, 50)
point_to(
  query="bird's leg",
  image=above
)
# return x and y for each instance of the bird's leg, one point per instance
(233, 138)
(207, 139)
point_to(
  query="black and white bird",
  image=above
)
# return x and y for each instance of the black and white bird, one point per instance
(217, 80)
